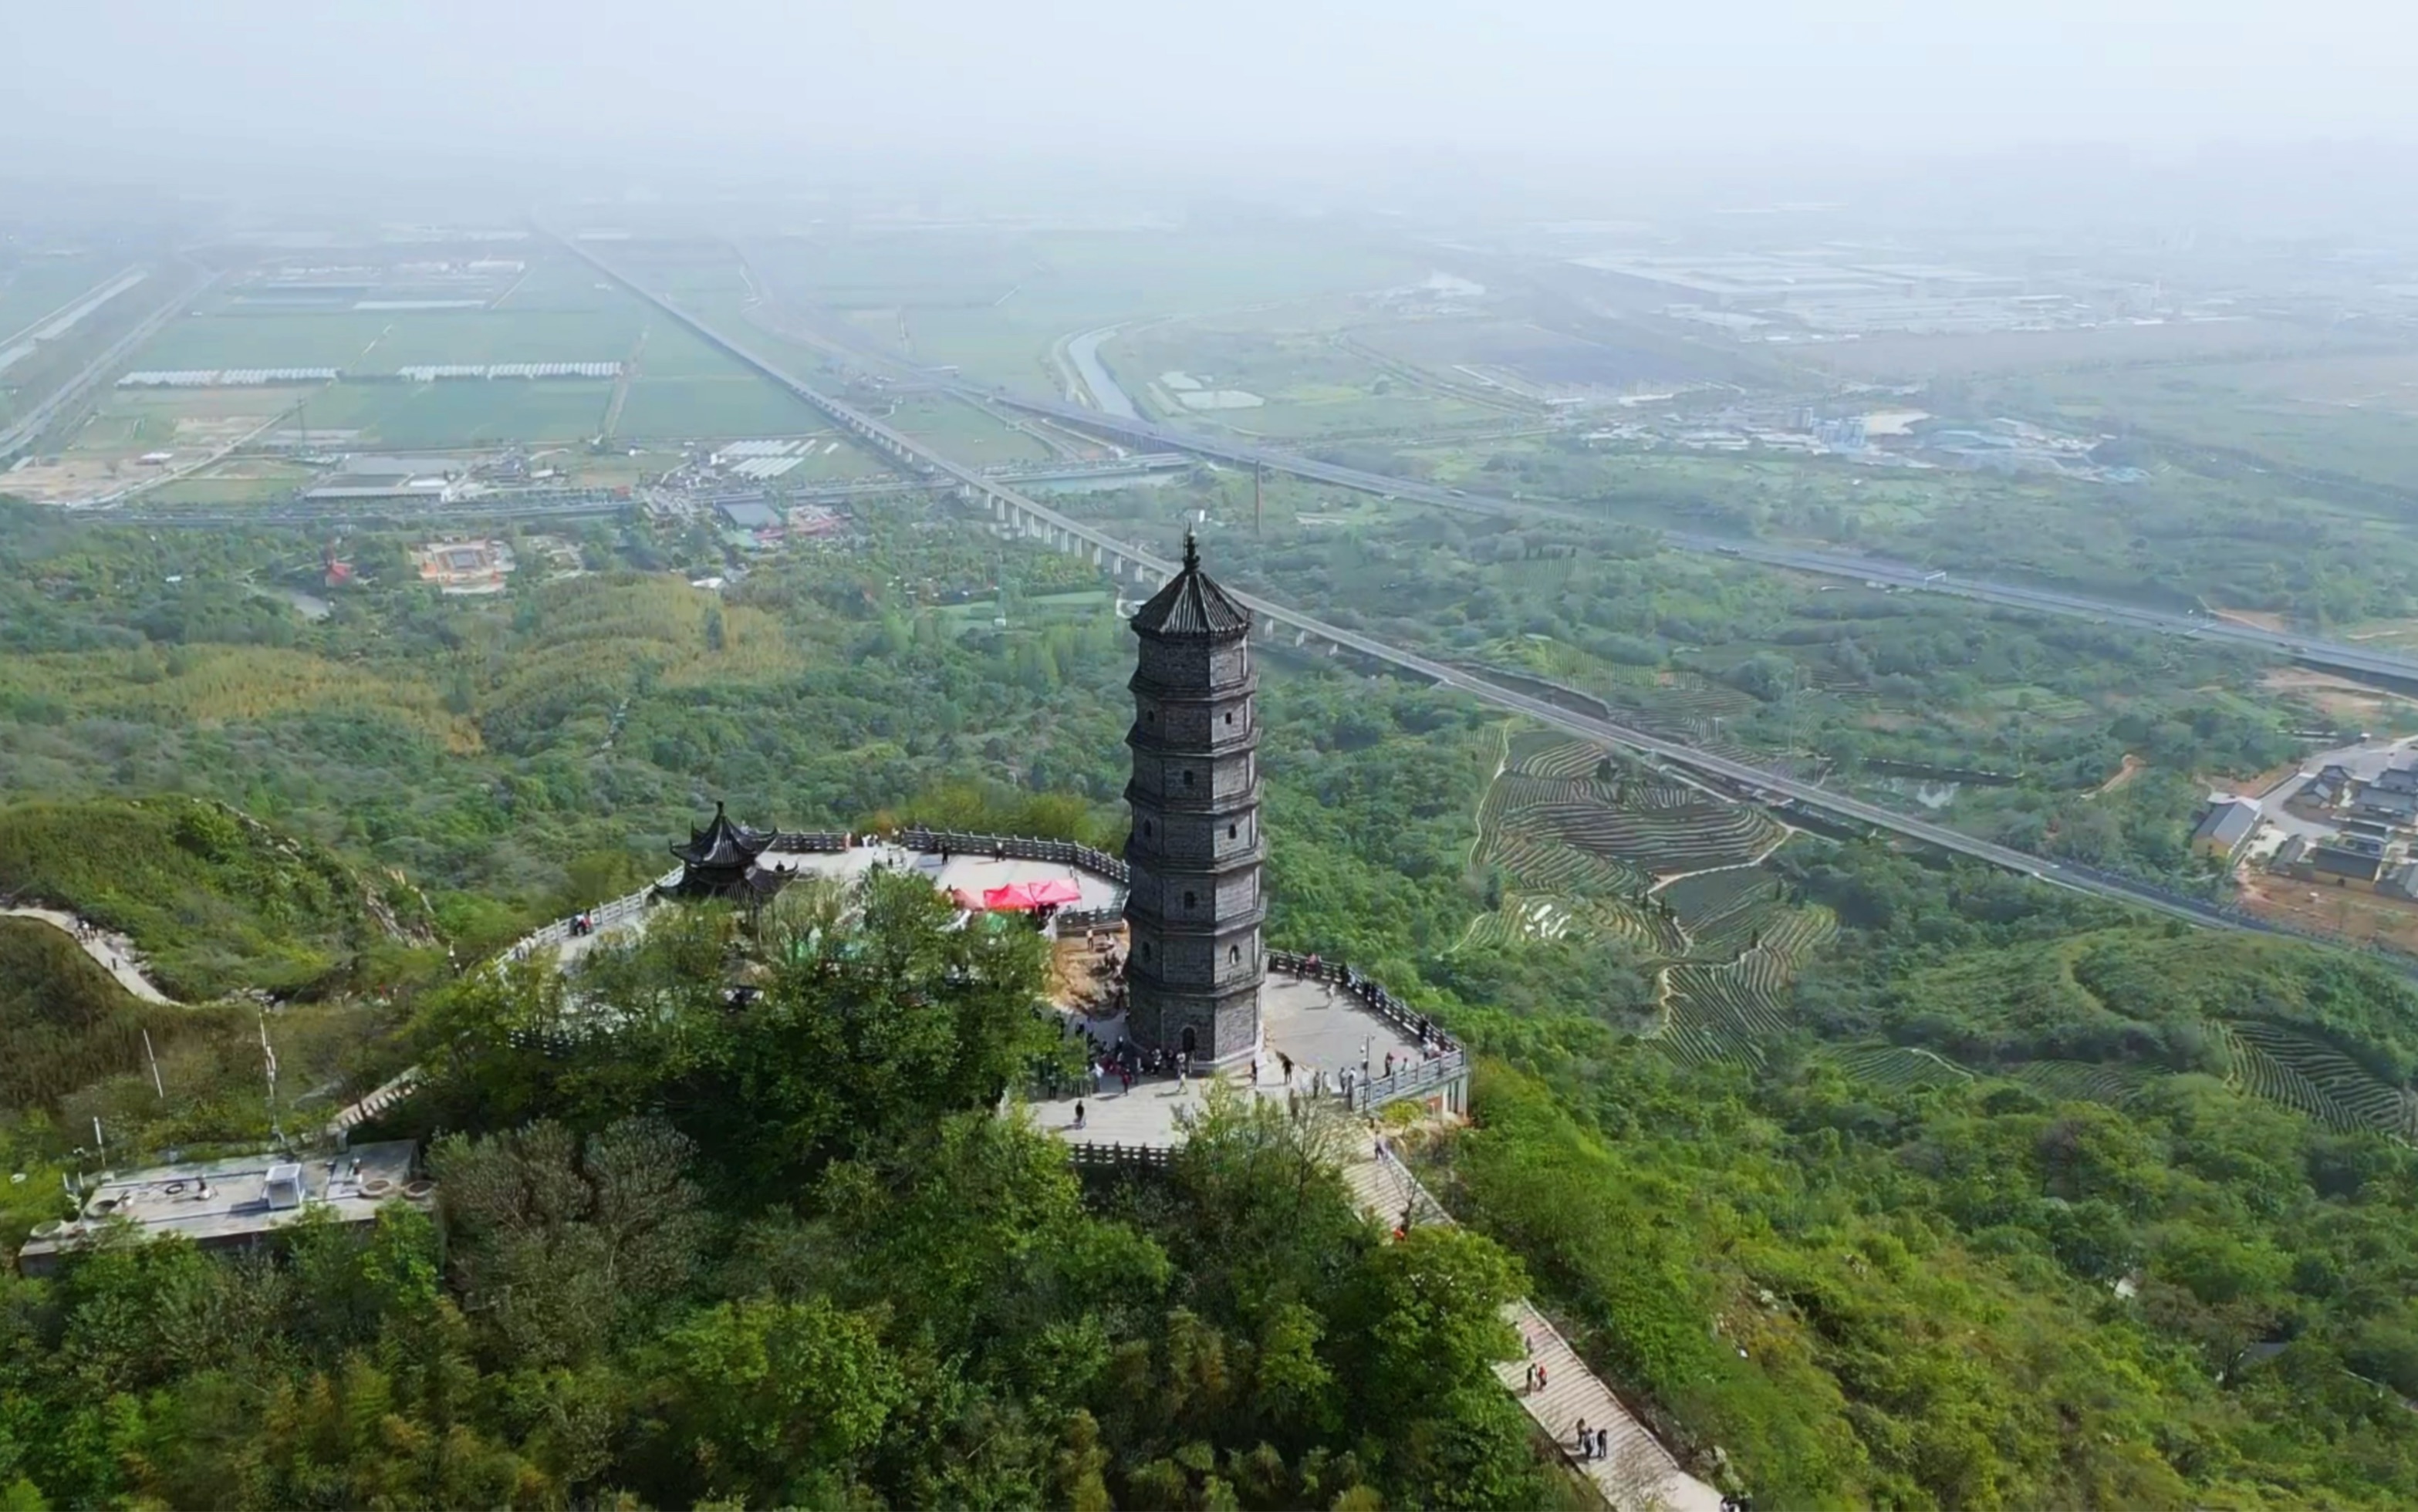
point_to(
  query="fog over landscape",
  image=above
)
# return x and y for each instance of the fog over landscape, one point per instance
(721, 86)
(1261, 756)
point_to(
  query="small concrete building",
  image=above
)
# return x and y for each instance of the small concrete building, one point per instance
(236, 1203)
(2227, 827)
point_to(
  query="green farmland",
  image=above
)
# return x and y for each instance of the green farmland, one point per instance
(683, 389)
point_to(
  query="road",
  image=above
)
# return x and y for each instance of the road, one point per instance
(23, 434)
(1770, 787)
(1115, 417)
(2339, 655)
(113, 954)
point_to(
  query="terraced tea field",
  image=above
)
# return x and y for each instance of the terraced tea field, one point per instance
(2284, 1065)
(2086, 1081)
(1899, 1066)
(1586, 844)
(2269, 1061)
(1726, 1010)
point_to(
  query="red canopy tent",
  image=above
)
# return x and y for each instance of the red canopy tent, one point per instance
(966, 897)
(1054, 889)
(1014, 895)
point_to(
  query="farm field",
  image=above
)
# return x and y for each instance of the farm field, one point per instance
(683, 389)
(2346, 414)
(1529, 354)
(1308, 382)
(34, 288)
(1579, 844)
(991, 301)
(1897, 354)
(963, 432)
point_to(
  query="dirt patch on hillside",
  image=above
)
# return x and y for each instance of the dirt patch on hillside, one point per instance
(2360, 917)
(2130, 767)
(76, 478)
(2338, 698)
(2258, 786)
(2256, 619)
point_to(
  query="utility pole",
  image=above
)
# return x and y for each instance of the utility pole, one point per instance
(268, 1058)
(153, 1057)
(1259, 498)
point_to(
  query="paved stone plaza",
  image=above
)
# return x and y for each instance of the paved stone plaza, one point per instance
(1319, 1025)
(977, 872)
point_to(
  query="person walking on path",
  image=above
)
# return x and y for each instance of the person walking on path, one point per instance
(1079, 1115)
(1586, 1441)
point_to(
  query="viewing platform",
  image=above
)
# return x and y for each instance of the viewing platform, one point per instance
(1326, 1033)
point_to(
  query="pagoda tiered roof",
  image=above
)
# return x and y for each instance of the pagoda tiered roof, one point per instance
(1191, 605)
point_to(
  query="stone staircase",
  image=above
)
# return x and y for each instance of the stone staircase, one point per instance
(377, 1102)
(1639, 1474)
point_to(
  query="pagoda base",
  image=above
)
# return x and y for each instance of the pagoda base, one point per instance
(1224, 1026)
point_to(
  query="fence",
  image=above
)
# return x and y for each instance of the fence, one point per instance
(966, 843)
(604, 916)
(1411, 1081)
(1121, 1157)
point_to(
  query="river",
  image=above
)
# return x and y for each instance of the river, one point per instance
(1085, 352)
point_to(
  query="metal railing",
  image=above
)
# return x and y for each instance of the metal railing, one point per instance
(1449, 1064)
(603, 917)
(1410, 1081)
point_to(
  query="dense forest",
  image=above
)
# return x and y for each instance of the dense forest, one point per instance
(786, 1256)
(2022, 1199)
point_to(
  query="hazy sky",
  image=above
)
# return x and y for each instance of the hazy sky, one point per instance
(538, 81)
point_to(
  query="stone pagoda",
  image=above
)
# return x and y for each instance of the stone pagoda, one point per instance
(1194, 906)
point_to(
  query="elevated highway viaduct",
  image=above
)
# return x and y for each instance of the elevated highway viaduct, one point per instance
(1279, 622)
(2341, 656)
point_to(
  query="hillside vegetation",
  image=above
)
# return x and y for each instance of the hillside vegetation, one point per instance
(64, 1021)
(690, 1266)
(214, 901)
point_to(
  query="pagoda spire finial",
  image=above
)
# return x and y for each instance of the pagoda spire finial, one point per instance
(1191, 551)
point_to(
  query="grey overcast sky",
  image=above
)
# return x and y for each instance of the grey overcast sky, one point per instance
(169, 82)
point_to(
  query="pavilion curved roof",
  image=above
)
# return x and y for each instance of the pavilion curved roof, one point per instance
(722, 843)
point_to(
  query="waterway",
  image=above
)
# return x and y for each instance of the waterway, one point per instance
(1085, 352)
